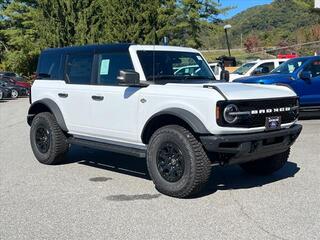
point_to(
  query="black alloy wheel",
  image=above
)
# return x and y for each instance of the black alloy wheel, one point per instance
(43, 138)
(170, 162)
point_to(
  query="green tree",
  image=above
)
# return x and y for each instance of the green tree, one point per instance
(130, 21)
(19, 36)
(198, 14)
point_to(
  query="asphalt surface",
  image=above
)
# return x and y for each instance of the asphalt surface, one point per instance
(100, 195)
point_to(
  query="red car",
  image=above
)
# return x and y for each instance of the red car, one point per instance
(15, 79)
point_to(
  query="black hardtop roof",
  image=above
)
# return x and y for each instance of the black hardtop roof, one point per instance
(120, 47)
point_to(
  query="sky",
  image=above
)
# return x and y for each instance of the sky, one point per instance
(240, 6)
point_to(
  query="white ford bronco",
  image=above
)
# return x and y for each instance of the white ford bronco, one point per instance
(143, 101)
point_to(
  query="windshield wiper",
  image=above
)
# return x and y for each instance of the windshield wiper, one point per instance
(198, 77)
(161, 77)
(181, 78)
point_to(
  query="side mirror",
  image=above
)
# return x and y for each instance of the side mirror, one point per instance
(305, 75)
(225, 75)
(128, 78)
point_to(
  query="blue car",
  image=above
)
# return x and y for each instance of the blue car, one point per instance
(301, 74)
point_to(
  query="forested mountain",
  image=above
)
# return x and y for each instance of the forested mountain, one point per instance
(283, 22)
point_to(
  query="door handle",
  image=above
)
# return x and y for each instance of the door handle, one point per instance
(63, 95)
(97, 98)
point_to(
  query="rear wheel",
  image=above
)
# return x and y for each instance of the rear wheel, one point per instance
(268, 165)
(48, 142)
(177, 163)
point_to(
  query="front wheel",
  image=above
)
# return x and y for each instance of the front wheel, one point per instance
(14, 94)
(268, 165)
(177, 163)
(48, 142)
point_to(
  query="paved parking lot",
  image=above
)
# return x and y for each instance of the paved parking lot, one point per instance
(99, 195)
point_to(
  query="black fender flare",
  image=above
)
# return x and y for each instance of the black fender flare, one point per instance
(192, 120)
(52, 106)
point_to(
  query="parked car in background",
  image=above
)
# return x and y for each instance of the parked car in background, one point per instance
(18, 83)
(5, 92)
(300, 74)
(15, 79)
(193, 70)
(256, 68)
(11, 75)
(16, 91)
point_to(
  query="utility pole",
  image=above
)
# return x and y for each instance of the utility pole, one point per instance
(226, 27)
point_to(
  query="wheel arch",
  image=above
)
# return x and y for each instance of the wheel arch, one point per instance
(172, 116)
(46, 105)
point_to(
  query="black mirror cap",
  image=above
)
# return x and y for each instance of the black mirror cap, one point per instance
(305, 75)
(128, 77)
(225, 75)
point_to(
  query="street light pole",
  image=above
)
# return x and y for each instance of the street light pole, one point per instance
(226, 27)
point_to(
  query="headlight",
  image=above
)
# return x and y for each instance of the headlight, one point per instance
(227, 113)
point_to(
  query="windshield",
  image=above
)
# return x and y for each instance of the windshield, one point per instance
(289, 67)
(174, 66)
(244, 68)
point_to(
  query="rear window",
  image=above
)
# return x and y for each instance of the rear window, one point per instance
(49, 66)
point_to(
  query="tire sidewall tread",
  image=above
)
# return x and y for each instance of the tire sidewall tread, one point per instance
(197, 164)
(58, 140)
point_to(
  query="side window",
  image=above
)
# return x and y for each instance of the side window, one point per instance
(110, 65)
(49, 66)
(79, 68)
(314, 68)
(268, 65)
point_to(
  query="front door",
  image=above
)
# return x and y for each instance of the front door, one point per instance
(309, 90)
(115, 111)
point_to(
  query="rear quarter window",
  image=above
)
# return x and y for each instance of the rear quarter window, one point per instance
(49, 66)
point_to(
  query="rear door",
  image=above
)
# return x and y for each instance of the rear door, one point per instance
(75, 97)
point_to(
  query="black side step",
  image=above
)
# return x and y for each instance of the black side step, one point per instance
(123, 148)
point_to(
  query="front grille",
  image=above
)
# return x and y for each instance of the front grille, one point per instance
(259, 120)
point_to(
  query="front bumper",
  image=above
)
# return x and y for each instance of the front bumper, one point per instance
(233, 149)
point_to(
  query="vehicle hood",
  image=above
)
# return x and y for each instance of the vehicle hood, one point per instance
(234, 76)
(269, 78)
(240, 91)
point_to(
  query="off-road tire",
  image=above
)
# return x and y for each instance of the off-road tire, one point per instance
(268, 165)
(197, 166)
(58, 144)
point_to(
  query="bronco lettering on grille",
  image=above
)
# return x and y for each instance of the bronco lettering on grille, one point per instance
(271, 110)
